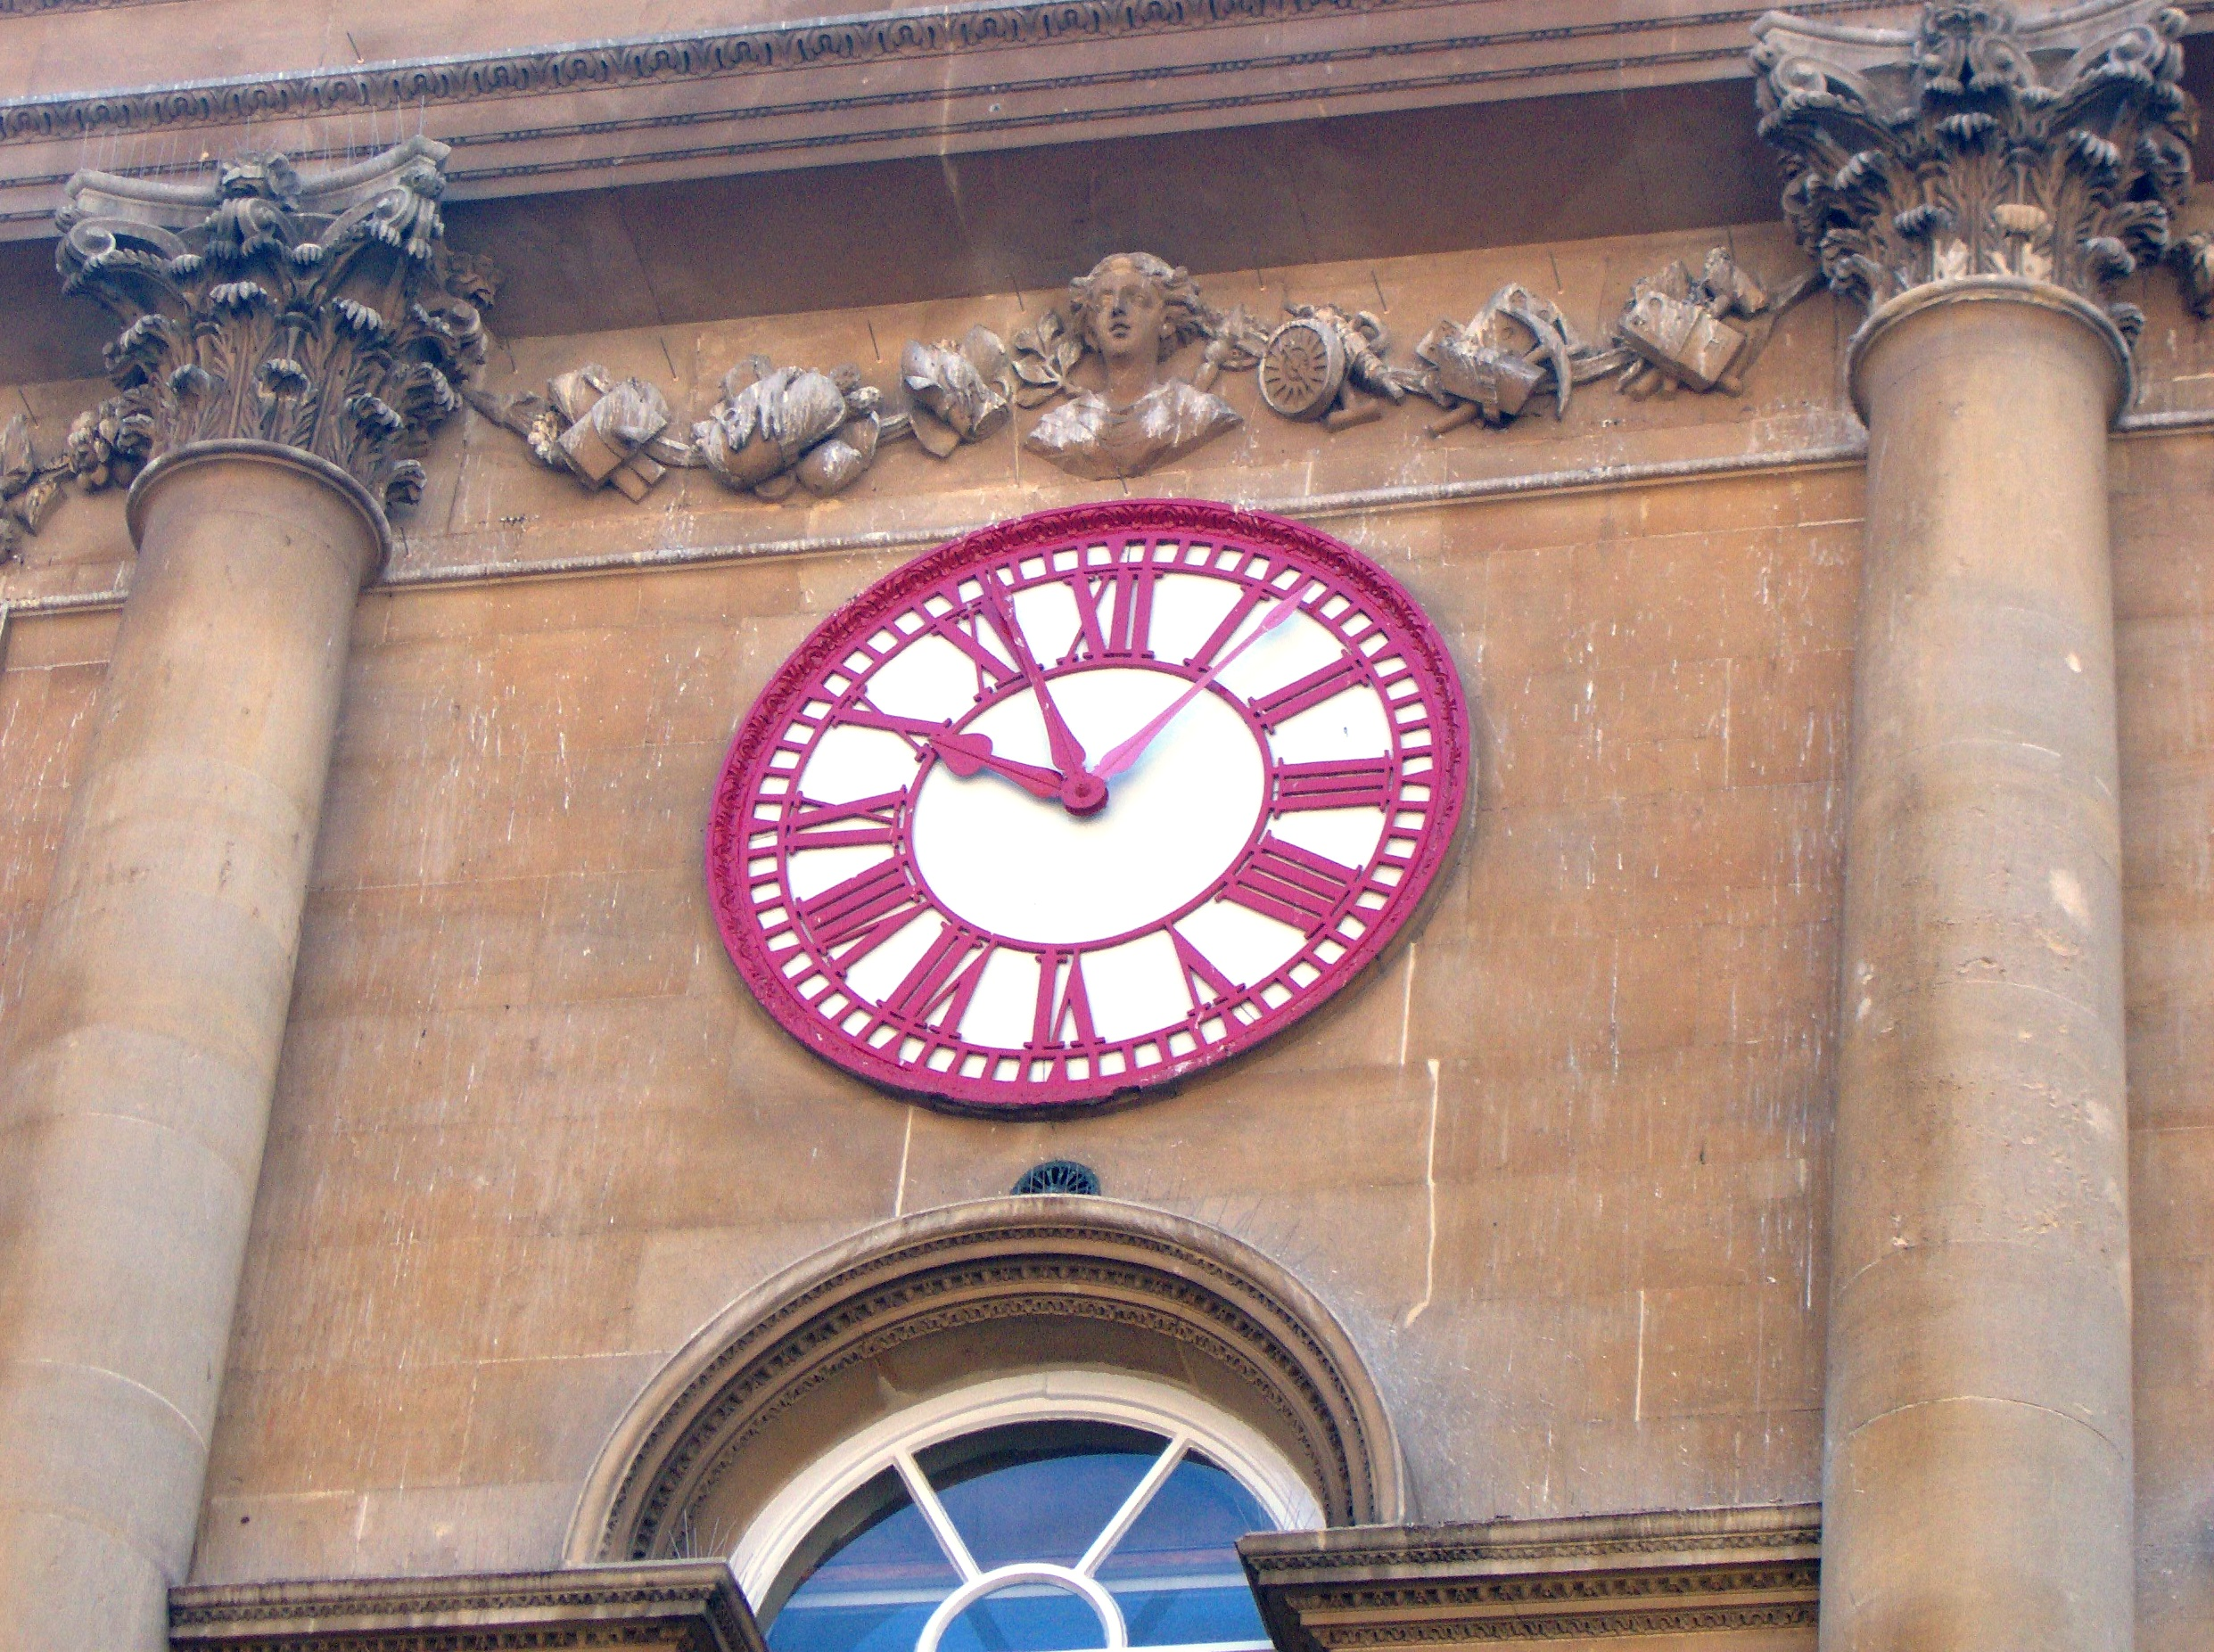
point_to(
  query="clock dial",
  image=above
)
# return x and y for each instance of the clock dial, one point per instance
(1083, 802)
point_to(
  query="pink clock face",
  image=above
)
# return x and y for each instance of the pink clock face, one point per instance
(1082, 804)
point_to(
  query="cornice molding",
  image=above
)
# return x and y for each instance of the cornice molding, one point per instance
(1673, 1572)
(989, 73)
(692, 1606)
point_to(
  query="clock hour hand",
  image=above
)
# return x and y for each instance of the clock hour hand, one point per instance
(1122, 759)
(968, 755)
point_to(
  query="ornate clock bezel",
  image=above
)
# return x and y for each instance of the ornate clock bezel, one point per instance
(762, 731)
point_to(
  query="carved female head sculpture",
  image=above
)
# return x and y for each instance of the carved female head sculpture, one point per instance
(1134, 310)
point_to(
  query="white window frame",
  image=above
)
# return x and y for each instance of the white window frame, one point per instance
(891, 1442)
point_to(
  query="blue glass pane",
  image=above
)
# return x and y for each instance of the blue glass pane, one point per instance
(1026, 1618)
(1176, 1572)
(1038, 1490)
(865, 1581)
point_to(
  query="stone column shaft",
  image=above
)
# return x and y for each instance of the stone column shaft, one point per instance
(1978, 1488)
(144, 1054)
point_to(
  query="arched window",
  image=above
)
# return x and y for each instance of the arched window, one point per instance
(1049, 1513)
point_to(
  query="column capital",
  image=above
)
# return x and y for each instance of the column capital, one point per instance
(322, 314)
(1979, 148)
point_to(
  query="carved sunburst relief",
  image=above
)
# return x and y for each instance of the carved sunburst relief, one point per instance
(1079, 804)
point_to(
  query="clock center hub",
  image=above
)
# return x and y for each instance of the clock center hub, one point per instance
(1028, 869)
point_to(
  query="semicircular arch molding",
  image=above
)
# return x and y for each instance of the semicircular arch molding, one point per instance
(934, 1303)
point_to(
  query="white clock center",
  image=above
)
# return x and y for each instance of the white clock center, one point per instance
(1018, 867)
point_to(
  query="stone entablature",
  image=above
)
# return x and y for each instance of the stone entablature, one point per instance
(578, 96)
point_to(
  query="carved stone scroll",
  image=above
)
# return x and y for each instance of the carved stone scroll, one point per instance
(322, 313)
(1975, 144)
(602, 431)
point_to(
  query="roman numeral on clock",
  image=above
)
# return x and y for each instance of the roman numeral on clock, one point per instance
(1198, 972)
(943, 979)
(1064, 1006)
(1114, 612)
(1347, 783)
(863, 913)
(866, 821)
(1311, 689)
(1291, 885)
(992, 669)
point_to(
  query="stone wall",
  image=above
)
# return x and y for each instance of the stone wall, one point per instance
(1558, 1166)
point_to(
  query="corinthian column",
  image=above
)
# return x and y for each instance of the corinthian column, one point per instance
(287, 345)
(1981, 184)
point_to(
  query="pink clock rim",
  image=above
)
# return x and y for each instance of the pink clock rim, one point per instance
(866, 609)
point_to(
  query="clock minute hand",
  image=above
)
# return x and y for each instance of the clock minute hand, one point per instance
(1082, 792)
(1068, 751)
(1123, 758)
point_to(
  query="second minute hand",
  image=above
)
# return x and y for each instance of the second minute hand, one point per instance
(1119, 760)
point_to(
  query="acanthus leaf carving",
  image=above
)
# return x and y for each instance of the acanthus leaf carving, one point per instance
(2056, 151)
(322, 314)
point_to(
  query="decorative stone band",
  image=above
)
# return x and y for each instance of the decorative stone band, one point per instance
(1597, 1577)
(2056, 151)
(692, 1606)
(1992, 290)
(322, 314)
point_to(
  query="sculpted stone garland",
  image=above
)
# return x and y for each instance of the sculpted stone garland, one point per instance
(778, 430)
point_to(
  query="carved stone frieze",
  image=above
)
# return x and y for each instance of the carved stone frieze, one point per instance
(1519, 346)
(2053, 150)
(105, 446)
(602, 431)
(318, 313)
(777, 429)
(783, 431)
(1328, 365)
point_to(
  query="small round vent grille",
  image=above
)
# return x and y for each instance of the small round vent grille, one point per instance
(1058, 1176)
